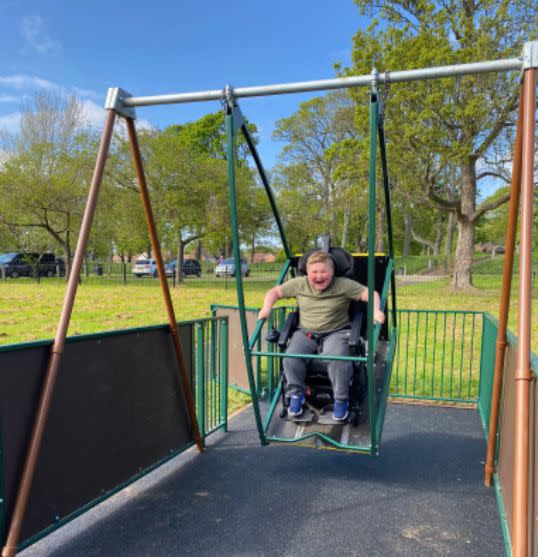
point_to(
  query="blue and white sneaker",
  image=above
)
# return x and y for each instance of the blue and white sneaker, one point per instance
(296, 405)
(341, 410)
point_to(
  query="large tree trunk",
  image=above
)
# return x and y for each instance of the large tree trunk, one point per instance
(464, 255)
(180, 253)
(408, 226)
(438, 235)
(68, 255)
(466, 225)
(345, 228)
(380, 229)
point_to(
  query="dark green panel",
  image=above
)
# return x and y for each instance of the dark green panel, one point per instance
(487, 367)
(118, 408)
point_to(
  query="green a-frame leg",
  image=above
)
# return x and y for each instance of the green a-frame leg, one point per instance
(235, 122)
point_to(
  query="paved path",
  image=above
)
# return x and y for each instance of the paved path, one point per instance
(422, 496)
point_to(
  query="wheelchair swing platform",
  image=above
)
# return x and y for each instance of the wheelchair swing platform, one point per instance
(309, 429)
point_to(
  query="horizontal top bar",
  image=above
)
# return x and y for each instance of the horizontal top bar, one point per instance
(336, 83)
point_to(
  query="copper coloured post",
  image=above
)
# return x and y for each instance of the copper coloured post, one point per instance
(23, 492)
(137, 159)
(523, 375)
(504, 302)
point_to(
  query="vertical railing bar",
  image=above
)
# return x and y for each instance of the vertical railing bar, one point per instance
(207, 386)
(207, 383)
(213, 380)
(462, 357)
(218, 378)
(213, 341)
(224, 373)
(454, 317)
(259, 388)
(443, 356)
(416, 345)
(270, 360)
(425, 353)
(407, 350)
(434, 351)
(398, 354)
(471, 358)
(200, 387)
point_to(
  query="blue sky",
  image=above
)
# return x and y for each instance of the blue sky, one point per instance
(160, 47)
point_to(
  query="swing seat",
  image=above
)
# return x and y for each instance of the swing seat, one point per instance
(316, 427)
(319, 399)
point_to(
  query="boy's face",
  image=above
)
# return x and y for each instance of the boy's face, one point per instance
(319, 276)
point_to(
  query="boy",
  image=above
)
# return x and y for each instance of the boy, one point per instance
(323, 302)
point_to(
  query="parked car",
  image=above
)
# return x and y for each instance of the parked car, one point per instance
(145, 268)
(227, 267)
(190, 267)
(18, 264)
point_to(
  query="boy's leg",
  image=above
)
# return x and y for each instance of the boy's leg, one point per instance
(340, 373)
(295, 368)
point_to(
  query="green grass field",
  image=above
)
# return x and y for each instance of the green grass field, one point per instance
(30, 311)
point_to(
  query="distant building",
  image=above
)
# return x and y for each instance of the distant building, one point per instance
(262, 257)
(489, 247)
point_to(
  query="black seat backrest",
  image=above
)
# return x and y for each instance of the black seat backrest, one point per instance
(343, 262)
(356, 267)
(360, 274)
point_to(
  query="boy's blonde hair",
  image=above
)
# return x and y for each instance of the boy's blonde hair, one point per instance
(320, 257)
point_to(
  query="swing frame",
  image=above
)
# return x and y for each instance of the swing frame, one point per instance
(120, 103)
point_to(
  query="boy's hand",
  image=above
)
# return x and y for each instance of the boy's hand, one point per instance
(379, 316)
(264, 313)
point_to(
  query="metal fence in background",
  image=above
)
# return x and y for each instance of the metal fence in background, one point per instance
(438, 355)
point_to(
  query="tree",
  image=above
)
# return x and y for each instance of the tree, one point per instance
(43, 184)
(453, 122)
(318, 138)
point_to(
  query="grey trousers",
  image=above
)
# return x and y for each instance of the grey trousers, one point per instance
(334, 344)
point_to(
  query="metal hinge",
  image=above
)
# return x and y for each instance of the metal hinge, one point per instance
(115, 101)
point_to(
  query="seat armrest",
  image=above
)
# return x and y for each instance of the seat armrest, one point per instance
(356, 324)
(289, 327)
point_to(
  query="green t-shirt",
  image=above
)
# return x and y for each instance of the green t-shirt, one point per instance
(323, 311)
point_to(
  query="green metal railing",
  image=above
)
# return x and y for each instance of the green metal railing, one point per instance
(438, 355)
(210, 389)
(209, 382)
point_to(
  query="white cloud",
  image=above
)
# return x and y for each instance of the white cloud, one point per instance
(94, 114)
(10, 122)
(26, 85)
(21, 82)
(36, 36)
(144, 125)
(88, 93)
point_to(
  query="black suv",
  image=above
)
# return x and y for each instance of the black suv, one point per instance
(190, 267)
(23, 265)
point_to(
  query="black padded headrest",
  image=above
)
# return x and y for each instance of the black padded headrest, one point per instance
(343, 262)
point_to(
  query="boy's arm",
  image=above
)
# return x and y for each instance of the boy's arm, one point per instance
(270, 298)
(379, 316)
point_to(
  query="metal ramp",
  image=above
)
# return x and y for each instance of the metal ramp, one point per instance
(355, 433)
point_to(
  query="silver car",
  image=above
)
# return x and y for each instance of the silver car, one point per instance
(227, 268)
(145, 268)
